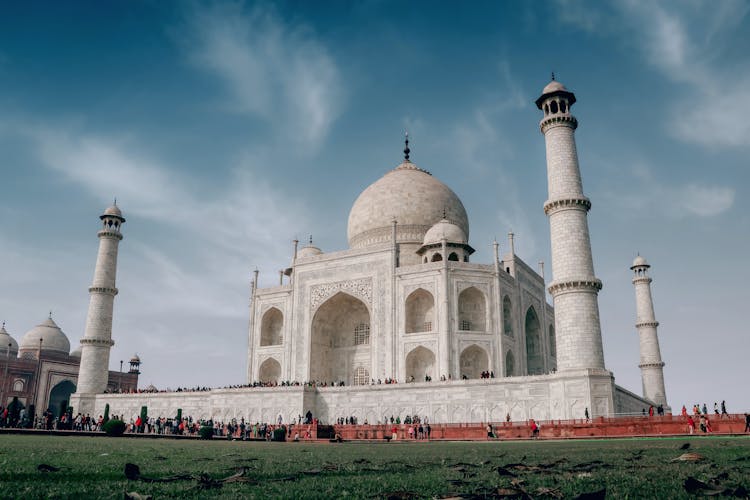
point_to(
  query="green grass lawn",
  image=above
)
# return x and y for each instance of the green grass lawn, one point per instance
(93, 467)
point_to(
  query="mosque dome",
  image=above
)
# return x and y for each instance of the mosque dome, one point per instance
(639, 261)
(6, 339)
(445, 230)
(113, 211)
(308, 251)
(76, 353)
(53, 338)
(411, 196)
(554, 86)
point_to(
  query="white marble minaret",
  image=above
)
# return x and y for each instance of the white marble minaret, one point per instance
(97, 341)
(574, 287)
(651, 365)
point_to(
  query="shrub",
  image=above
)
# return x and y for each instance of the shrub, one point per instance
(206, 432)
(279, 434)
(114, 428)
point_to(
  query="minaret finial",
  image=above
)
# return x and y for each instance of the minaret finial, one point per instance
(115, 201)
(406, 147)
(311, 240)
(553, 76)
(443, 212)
(50, 314)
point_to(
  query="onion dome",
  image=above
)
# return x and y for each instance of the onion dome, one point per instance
(411, 196)
(113, 211)
(554, 88)
(309, 251)
(76, 353)
(54, 341)
(445, 230)
(5, 340)
(135, 360)
(639, 261)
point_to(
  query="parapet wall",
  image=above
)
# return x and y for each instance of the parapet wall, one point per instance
(542, 397)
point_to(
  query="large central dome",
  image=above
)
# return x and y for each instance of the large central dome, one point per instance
(413, 197)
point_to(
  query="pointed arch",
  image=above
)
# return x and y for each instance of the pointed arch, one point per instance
(337, 327)
(420, 311)
(472, 310)
(59, 397)
(453, 257)
(507, 316)
(474, 361)
(437, 257)
(420, 362)
(510, 364)
(533, 330)
(269, 371)
(271, 327)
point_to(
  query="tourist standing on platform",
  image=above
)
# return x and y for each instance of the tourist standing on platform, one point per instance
(747, 423)
(724, 409)
(691, 424)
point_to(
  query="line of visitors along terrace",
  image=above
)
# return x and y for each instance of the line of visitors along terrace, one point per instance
(599, 427)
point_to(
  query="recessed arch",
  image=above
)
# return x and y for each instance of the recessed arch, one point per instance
(336, 326)
(533, 330)
(420, 311)
(59, 397)
(471, 310)
(437, 257)
(270, 371)
(453, 257)
(510, 364)
(271, 327)
(507, 316)
(474, 361)
(18, 385)
(420, 363)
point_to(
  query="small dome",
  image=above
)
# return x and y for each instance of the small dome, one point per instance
(308, 251)
(6, 339)
(53, 338)
(412, 196)
(151, 388)
(445, 230)
(554, 86)
(76, 353)
(114, 210)
(640, 262)
(135, 359)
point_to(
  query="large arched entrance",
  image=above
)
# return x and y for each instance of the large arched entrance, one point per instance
(510, 364)
(471, 310)
(340, 339)
(474, 361)
(59, 397)
(534, 360)
(270, 371)
(420, 363)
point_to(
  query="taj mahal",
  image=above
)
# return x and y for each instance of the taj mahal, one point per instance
(405, 322)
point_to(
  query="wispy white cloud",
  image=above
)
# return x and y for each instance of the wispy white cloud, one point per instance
(278, 72)
(644, 194)
(684, 42)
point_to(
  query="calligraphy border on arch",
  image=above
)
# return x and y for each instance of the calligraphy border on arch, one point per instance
(360, 288)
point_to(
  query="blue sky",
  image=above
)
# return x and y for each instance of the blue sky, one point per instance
(227, 129)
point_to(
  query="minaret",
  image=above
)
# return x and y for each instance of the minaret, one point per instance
(97, 341)
(574, 287)
(651, 365)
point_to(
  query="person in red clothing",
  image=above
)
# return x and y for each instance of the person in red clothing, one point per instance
(651, 411)
(534, 429)
(691, 424)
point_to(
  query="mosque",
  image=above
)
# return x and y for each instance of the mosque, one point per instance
(464, 341)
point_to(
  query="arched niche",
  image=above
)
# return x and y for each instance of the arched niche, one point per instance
(59, 397)
(420, 311)
(507, 316)
(533, 330)
(474, 361)
(337, 326)
(269, 371)
(420, 362)
(271, 327)
(471, 310)
(510, 364)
